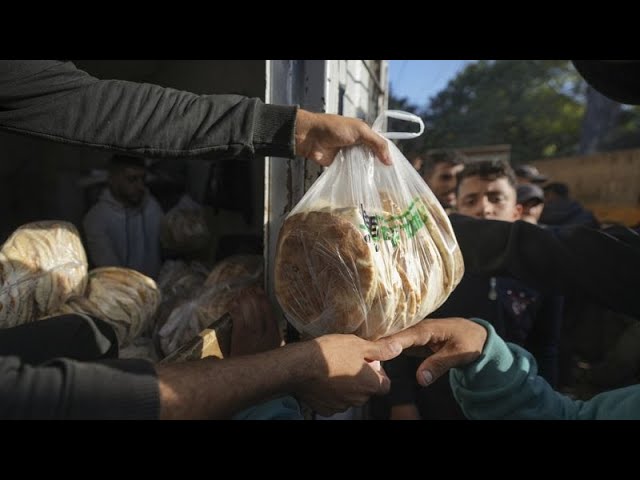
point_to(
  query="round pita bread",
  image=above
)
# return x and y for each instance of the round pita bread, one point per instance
(42, 265)
(325, 279)
(125, 298)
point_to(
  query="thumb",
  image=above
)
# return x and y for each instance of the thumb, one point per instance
(384, 349)
(434, 367)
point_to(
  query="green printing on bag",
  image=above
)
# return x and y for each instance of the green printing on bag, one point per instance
(380, 228)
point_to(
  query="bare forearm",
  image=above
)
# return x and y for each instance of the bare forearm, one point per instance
(214, 389)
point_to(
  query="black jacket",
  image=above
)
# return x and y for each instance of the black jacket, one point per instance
(56, 101)
(601, 265)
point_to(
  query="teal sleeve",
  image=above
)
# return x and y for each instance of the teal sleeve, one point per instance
(281, 408)
(503, 383)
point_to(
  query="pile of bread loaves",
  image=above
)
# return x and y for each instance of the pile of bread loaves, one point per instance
(370, 273)
(44, 272)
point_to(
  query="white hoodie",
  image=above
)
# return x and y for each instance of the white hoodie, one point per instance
(124, 237)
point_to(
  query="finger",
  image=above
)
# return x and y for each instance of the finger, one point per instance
(383, 349)
(434, 367)
(414, 336)
(378, 144)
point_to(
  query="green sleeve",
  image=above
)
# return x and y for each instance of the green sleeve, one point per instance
(503, 383)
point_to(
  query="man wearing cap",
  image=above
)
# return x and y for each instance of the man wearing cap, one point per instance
(561, 210)
(531, 198)
(529, 174)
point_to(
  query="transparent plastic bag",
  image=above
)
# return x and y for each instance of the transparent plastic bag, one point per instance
(227, 281)
(368, 250)
(42, 265)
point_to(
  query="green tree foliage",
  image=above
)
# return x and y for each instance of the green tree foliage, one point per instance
(536, 106)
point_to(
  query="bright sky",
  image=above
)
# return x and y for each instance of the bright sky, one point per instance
(419, 80)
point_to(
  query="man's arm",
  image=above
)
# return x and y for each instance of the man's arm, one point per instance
(56, 101)
(601, 264)
(70, 389)
(330, 374)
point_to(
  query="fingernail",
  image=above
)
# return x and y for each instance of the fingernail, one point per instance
(395, 348)
(428, 377)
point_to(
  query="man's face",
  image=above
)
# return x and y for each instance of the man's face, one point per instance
(442, 182)
(491, 199)
(127, 185)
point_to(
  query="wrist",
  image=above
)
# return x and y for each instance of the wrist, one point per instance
(304, 122)
(301, 365)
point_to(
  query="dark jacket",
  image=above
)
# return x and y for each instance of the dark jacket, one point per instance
(603, 265)
(56, 101)
(567, 212)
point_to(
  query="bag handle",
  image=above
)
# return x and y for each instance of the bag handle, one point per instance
(400, 115)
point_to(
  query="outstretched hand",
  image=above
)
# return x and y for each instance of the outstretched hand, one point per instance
(319, 137)
(347, 372)
(455, 342)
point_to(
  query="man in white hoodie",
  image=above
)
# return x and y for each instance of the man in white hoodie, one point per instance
(123, 228)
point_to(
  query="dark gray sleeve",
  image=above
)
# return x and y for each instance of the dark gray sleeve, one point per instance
(68, 389)
(55, 100)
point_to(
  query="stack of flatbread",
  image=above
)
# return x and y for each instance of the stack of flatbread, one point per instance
(42, 264)
(122, 297)
(344, 270)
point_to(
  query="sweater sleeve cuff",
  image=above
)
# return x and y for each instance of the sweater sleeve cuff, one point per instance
(274, 130)
(115, 389)
(492, 368)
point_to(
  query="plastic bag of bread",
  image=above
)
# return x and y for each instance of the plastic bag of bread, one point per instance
(178, 281)
(368, 249)
(228, 279)
(184, 228)
(42, 264)
(122, 297)
(190, 318)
